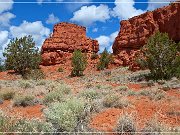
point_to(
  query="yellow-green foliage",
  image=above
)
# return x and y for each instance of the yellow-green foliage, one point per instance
(23, 100)
(65, 115)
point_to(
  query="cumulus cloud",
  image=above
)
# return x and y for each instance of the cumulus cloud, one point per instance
(36, 29)
(153, 4)
(5, 18)
(125, 9)
(87, 15)
(6, 6)
(106, 41)
(52, 19)
(4, 40)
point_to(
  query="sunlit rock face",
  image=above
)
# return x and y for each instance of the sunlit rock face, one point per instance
(135, 32)
(65, 39)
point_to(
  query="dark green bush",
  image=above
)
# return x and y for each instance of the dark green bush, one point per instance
(60, 69)
(161, 57)
(22, 55)
(104, 61)
(79, 63)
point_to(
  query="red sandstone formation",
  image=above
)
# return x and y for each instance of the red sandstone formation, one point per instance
(135, 31)
(66, 38)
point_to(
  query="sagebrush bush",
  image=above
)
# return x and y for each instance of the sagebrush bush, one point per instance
(25, 84)
(90, 94)
(110, 100)
(10, 124)
(66, 115)
(160, 55)
(23, 100)
(7, 94)
(126, 125)
(79, 63)
(22, 55)
(34, 74)
(105, 60)
(53, 96)
(154, 126)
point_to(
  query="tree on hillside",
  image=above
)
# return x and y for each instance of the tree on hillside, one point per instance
(22, 55)
(161, 56)
(79, 63)
(104, 61)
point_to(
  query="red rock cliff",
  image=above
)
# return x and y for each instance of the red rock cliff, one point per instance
(135, 32)
(65, 39)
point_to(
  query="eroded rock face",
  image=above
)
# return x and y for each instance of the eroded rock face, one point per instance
(135, 32)
(66, 38)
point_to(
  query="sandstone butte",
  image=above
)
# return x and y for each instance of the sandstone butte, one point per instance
(67, 37)
(135, 32)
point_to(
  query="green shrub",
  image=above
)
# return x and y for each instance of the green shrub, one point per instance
(57, 94)
(7, 94)
(23, 100)
(161, 57)
(60, 69)
(25, 84)
(66, 115)
(53, 96)
(22, 55)
(90, 94)
(126, 125)
(104, 61)
(79, 63)
(34, 74)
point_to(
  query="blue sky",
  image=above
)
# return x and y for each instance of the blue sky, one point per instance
(38, 17)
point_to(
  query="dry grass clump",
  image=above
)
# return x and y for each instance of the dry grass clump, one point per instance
(25, 84)
(115, 101)
(121, 88)
(154, 127)
(126, 125)
(153, 94)
(7, 94)
(23, 100)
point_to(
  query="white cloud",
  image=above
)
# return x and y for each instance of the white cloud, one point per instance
(87, 15)
(4, 40)
(125, 9)
(5, 18)
(36, 29)
(106, 41)
(153, 4)
(6, 6)
(52, 19)
(95, 30)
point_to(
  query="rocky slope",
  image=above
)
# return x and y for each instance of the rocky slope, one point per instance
(135, 31)
(66, 38)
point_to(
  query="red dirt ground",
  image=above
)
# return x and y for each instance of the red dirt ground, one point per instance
(28, 112)
(142, 109)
